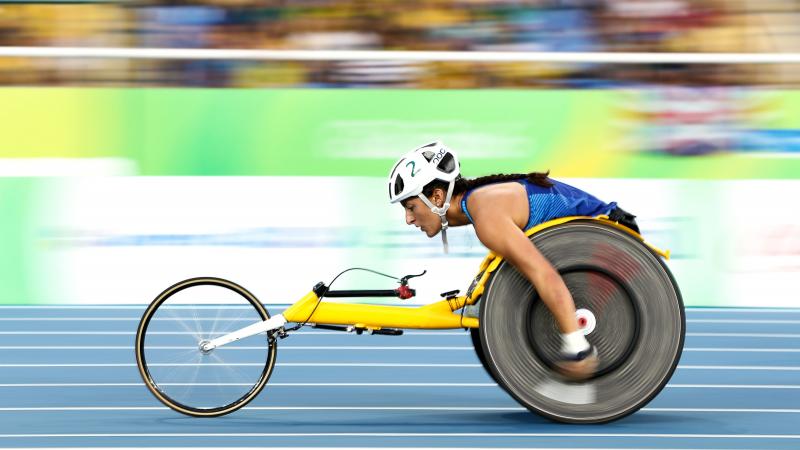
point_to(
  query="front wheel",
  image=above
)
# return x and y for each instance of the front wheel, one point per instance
(175, 368)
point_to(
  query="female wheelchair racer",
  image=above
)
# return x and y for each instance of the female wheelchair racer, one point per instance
(572, 313)
(428, 184)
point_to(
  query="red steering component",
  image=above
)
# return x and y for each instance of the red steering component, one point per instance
(405, 292)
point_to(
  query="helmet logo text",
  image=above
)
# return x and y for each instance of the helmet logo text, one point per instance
(438, 157)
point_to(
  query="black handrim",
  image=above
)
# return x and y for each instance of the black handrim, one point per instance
(537, 307)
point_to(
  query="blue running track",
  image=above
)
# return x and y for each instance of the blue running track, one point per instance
(68, 379)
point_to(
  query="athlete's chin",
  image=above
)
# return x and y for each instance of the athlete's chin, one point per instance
(431, 234)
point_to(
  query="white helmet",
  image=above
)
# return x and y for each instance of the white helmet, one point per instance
(419, 167)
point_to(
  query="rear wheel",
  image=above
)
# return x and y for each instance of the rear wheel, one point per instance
(475, 335)
(628, 305)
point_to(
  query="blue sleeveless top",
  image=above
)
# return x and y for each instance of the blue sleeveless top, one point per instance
(559, 200)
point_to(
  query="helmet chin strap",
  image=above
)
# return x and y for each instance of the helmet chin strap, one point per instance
(441, 212)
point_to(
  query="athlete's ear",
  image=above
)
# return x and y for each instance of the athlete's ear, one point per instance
(438, 197)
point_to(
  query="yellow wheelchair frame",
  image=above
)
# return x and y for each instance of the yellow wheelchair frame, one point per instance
(374, 318)
(369, 318)
(437, 315)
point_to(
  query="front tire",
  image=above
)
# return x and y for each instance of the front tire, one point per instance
(174, 367)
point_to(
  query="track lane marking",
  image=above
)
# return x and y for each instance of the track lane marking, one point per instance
(400, 365)
(444, 435)
(354, 347)
(278, 384)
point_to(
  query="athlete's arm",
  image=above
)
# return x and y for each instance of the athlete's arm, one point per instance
(497, 229)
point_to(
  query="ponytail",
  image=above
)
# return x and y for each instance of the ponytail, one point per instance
(463, 184)
(537, 178)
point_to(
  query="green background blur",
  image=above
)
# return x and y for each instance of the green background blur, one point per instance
(345, 133)
(573, 133)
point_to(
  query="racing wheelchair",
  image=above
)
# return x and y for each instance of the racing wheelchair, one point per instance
(206, 346)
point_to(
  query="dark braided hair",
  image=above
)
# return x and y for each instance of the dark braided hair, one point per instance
(463, 184)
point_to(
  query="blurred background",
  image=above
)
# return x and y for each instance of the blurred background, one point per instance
(120, 176)
(468, 25)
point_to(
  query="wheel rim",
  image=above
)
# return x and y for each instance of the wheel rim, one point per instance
(165, 392)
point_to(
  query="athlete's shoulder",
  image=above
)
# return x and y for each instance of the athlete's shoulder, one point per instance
(497, 200)
(496, 191)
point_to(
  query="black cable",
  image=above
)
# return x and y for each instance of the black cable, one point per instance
(319, 300)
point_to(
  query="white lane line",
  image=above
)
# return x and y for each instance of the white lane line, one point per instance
(747, 335)
(742, 350)
(762, 321)
(382, 408)
(261, 347)
(413, 333)
(295, 333)
(481, 385)
(61, 385)
(399, 365)
(272, 408)
(237, 319)
(404, 435)
(128, 319)
(734, 386)
(304, 447)
(725, 410)
(765, 368)
(142, 307)
(81, 333)
(354, 347)
(777, 309)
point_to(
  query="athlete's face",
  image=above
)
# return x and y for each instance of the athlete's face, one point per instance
(421, 216)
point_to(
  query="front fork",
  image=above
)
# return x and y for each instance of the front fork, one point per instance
(273, 323)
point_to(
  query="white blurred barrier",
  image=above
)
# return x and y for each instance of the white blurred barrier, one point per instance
(399, 55)
(123, 239)
(66, 167)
